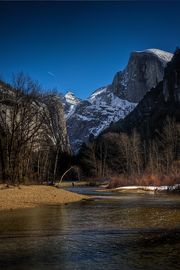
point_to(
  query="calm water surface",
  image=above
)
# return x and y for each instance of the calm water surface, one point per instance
(115, 231)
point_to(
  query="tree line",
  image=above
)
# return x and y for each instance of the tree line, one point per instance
(132, 158)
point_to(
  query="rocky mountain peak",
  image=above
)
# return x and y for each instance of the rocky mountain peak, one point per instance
(144, 70)
(71, 98)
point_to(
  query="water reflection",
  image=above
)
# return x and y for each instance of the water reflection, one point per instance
(131, 232)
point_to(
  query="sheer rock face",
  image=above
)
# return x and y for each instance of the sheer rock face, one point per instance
(144, 70)
(171, 82)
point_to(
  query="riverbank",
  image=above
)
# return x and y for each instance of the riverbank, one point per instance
(35, 195)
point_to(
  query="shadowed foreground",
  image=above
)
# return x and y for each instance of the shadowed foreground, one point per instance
(118, 231)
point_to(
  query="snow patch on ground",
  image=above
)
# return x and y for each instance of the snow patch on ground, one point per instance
(150, 188)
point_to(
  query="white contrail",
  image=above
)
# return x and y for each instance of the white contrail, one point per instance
(51, 74)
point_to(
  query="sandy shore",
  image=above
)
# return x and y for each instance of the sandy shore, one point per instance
(34, 195)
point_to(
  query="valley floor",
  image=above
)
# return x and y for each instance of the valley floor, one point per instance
(34, 195)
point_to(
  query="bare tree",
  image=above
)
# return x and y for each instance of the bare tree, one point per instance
(55, 127)
(32, 131)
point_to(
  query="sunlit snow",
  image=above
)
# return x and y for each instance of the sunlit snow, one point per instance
(162, 55)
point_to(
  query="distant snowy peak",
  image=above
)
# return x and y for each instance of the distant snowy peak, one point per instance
(70, 101)
(71, 98)
(162, 55)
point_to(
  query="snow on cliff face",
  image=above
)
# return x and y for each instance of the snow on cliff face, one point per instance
(94, 114)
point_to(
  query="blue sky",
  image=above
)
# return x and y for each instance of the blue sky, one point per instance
(79, 46)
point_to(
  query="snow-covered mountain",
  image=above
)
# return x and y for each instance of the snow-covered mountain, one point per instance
(70, 101)
(113, 102)
(94, 114)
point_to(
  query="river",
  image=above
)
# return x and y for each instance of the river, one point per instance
(112, 231)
